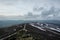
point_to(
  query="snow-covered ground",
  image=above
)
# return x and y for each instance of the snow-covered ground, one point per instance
(44, 26)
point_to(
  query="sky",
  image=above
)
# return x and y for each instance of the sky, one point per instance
(29, 9)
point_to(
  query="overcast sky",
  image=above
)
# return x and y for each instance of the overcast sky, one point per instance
(30, 9)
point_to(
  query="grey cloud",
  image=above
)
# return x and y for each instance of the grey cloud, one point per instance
(51, 14)
(30, 15)
(53, 11)
(48, 12)
(38, 9)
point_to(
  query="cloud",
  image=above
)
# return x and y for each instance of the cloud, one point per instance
(30, 15)
(38, 9)
(51, 14)
(34, 9)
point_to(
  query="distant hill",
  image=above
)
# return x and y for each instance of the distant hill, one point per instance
(6, 23)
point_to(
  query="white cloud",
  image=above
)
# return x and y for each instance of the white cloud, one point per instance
(11, 9)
